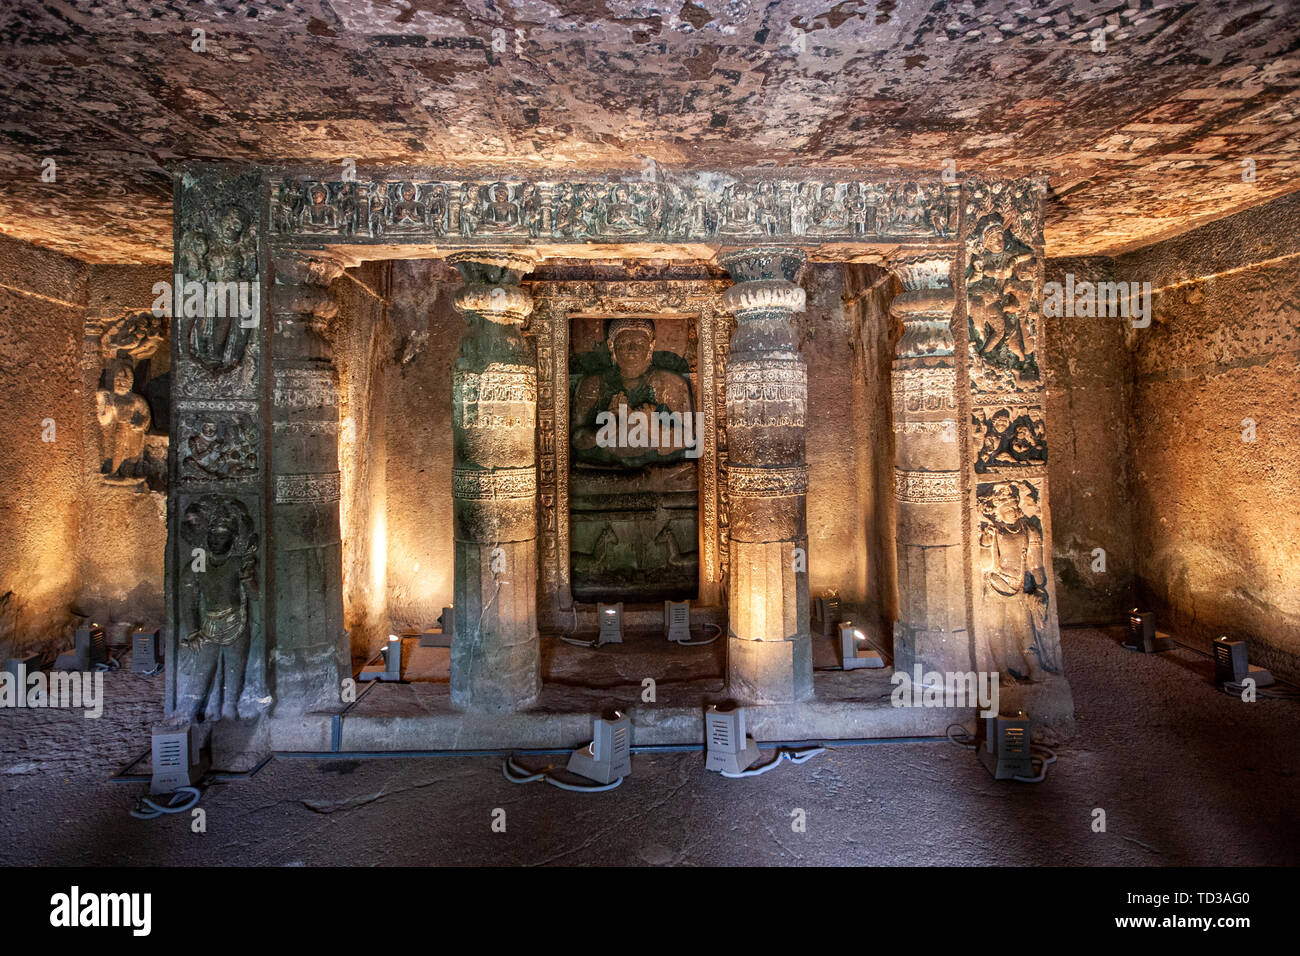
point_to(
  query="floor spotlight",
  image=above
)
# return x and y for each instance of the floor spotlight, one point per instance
(611, 623)
(828, 612)
(177, 761)
(146, 651)
(446, 632)
(1232, 664)
(609, 755)
(854, 650)
(730, 749)
(677, 621)
(1006, 751)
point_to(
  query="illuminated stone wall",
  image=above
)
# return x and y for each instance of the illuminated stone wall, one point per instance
(1218, 530)
(42, 308)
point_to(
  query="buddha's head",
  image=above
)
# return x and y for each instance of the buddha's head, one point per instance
(632, 343)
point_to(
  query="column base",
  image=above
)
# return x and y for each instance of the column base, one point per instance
(770, 672)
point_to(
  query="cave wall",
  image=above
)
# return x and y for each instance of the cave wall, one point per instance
(1216, 523)
(42, 310)
(1088, 373)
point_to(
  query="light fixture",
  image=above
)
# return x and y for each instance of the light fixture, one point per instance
(391, 669)
(677, 621)
(828, 612)
(1232, 664)
(1006, 752)
(445, 633)
(88, 649)
(1142, 634)
(610, 617)
(393, 658)
(730, 749)
(146, 651)
(854, 651)
(609, 755)
(177, 761)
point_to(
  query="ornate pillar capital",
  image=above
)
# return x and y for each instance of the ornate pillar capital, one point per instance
(925, 306)
(491, 288)
(765, 280)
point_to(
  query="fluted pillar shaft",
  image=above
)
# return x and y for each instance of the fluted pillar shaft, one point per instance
(769, 653)
(495, 662)
(931, 626)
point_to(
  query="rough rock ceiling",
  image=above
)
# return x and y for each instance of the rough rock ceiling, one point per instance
(1142, 140)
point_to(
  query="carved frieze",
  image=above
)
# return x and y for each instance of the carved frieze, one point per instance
(297, 389)
(217, 444)
(501, 396)
(1007, 438)
(701, 209)
(776, 482)
(923, 486)
(217, 260)
(767, 393)
(474, 484)
(923, 389)
(1003, 253)
(317, 488)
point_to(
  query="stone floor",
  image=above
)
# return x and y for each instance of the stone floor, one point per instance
(1185, 774)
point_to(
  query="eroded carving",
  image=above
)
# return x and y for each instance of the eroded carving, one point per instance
(221, 671)
(1015, 581)
(702, 209)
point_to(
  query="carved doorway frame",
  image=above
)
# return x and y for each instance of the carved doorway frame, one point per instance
(555, 304)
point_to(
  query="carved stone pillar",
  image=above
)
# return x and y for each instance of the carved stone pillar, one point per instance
(216, 566)
(769, 652)
(495, 661)
(312, 655)
(931, 627)
(1013, 588)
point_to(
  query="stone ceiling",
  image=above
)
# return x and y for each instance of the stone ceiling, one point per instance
(1140, 141)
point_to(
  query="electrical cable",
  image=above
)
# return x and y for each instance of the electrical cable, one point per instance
(966, 741)
(517, 774)
(710, 640)
(792, 754)
(1045, 757)
(146, 809)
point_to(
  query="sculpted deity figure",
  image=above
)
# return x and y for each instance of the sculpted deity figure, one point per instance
(739, 212)
(217, 341)
(123, 420)
(910, 214)
(498, 213)
(622, 217)
(1015, 582)
(632, 385)
(221, 619)
(995, 288)
(827, 211)
(378, 198)
(408, 211)
(318, 215)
